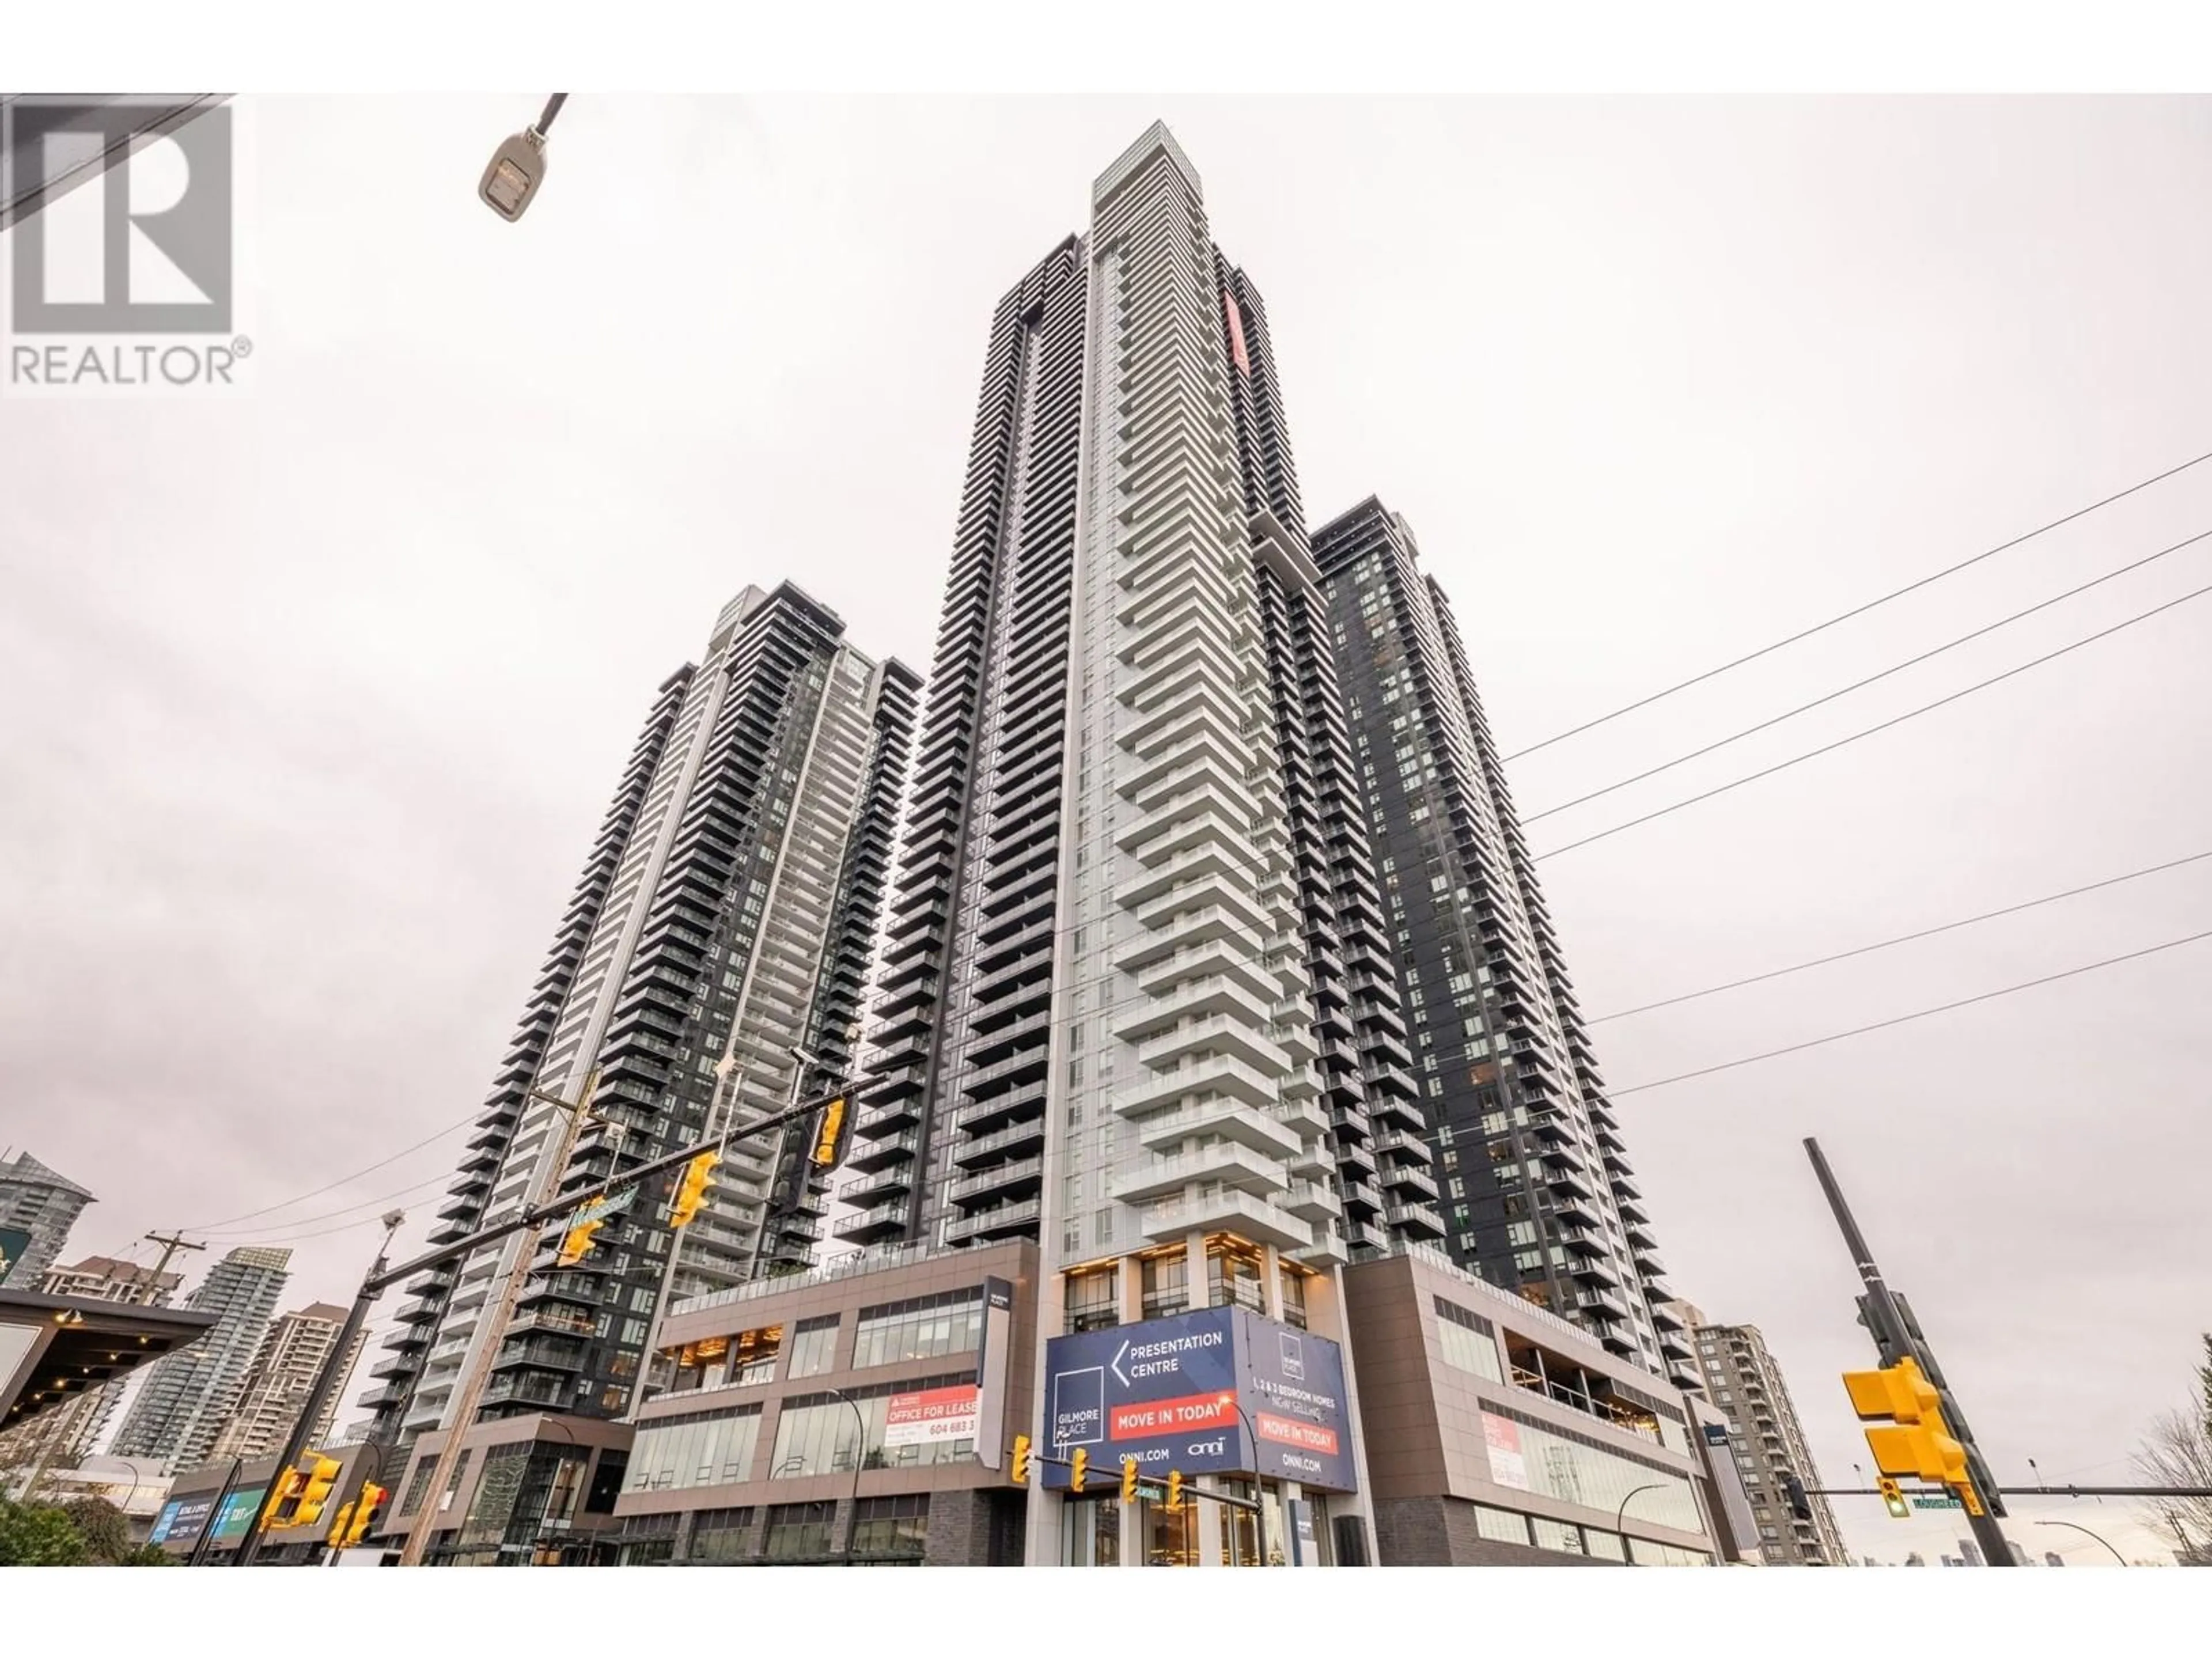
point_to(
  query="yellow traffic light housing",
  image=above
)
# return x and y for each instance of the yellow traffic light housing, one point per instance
(322, 1474)
(1079, 1469)
(577, 1243)
(1021, 1470)
(365, 1510)
(829, 1138)
(1175, 1489)
(1917, 1441)
(289, 1485)
(1893, 1499)
(1128, 1480)
(691, 1191)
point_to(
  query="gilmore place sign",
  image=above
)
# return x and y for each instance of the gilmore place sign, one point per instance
(1178, 1394)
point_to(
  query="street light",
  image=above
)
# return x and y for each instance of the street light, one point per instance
(859, 1459)
(2117, 1556)
(517, 166)
(1620, 1522)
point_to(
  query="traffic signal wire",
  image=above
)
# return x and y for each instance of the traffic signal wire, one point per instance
(1884, 725)
(1860, 685)
(443, 1179)
(1857, 610)
(1900, 938)
(1917, 1014)
(330, 1187)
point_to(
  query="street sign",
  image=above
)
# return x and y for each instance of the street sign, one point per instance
(1178, 1394)
(1932, 1503)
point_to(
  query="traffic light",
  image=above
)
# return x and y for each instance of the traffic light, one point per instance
(1175, 1489)
(322, 1474)
(1021, 1470)
(1918, 1442)
(1128, 1480)
(577, 1243)
(830, 1138)
(691, 1191)
(1079, 1469)
(289, 1486)
(1893, 1498)
(365, 1510)
(1793, 1493)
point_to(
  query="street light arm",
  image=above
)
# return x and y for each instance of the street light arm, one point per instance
(2075, 1527)
(552, 108)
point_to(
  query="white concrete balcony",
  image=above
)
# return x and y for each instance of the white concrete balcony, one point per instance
(1233, 959)
(1211, 767)
(1227, 1163)
(1227, 891)
(1194, 998)
(1204, 858)
(1246, 1125)
(1223, 1077)
(1186, 929)
(1218, 1034)
(1311, 1200)
(1224, 1210)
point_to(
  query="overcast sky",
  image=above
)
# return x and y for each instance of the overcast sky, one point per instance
(314, 698)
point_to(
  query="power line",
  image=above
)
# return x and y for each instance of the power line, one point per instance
(1857, 610)
(1860, 685)
(451, 1128)
(1904, 1019)
(1901, 939)
(434, 1181)
(1898, 719)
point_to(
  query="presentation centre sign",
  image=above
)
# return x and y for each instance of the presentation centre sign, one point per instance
(1180, 1392)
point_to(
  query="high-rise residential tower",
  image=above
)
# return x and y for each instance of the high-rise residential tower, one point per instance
(723, 920)
(280, 1379)
(186, 1398)
(1744, 1382)
(1134, 970)
(1537, 1187)
(42, 1203)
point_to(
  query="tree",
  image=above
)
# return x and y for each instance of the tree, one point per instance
(106, 1533)
(33, 1535)
(2179, 1453)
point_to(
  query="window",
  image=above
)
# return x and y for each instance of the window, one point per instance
(1233, 1276)
(798, 1532)
(922, 1327)
(415, 1486)
(696, 1449)
(722, 1536)
(1557, 1536)
(814, 1346)
(895, 1526)
(1093, 1299)
(1468, 1341)
(815, 1434)
(1503, 1526)
(1167, 1285)
(1294, 1298)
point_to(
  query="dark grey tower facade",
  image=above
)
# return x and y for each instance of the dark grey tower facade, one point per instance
(723, 918)
(1537, 1188)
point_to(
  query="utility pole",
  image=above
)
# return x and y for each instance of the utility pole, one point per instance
(461, 1414)
(170, 1246)
(1897, 1337)
(326, 1379)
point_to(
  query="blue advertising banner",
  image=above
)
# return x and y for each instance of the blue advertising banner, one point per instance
(1193, 1393)
(15, 1244)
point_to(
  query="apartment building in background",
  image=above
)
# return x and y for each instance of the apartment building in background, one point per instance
(722, 922)
(280, 1379)
(185, 1401)
(59, 1438)
(41, 1205)
(1744, 1382)
(1537, 1186)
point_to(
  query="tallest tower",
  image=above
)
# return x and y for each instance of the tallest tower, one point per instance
(1134, 974)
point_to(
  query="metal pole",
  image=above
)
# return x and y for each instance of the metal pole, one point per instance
(2117, 1556)
(326, 1379)
(1893, 1339)
(1259, 1487)
(1620, 1523)
(460, 1413)
(859, 1461)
